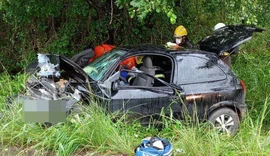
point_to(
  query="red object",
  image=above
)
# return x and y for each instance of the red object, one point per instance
(107, 47)
(100, 50)
(243, 85)
(104, 48)
(129, 63)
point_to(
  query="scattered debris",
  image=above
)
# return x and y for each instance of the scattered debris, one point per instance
(46, 83)
(154, 146)
(179, 151)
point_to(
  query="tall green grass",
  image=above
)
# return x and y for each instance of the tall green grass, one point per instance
(253, 66)
(94, 131)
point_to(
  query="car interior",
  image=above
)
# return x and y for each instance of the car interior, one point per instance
(143, 79)
(156, 66)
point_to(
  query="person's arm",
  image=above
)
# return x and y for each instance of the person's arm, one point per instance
(172, 45)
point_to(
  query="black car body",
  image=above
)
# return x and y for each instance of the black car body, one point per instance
(195, 82)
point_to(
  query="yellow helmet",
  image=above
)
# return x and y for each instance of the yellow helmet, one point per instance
(180, 31)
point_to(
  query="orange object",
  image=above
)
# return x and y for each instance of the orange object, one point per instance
(100, 50)
(129, 63)
(107, 47)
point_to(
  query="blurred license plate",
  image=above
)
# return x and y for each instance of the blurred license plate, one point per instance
(44, 111)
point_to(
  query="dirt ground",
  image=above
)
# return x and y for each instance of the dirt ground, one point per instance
(16, 151)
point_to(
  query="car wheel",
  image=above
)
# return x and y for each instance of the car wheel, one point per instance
(225, 120)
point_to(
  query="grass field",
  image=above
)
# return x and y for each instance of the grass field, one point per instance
(93, 133)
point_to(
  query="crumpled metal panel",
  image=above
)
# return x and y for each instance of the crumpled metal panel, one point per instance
(47, 68)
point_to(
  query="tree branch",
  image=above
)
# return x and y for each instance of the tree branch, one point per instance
(111, 12)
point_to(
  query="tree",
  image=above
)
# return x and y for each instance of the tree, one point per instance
(141, 8)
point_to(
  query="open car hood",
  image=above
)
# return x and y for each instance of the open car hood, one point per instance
(227, 38)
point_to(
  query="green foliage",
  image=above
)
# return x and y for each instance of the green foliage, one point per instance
(11, 85)
(65, 26)
(234, 11)
(141, 8)
(252, 65)
(18, 12)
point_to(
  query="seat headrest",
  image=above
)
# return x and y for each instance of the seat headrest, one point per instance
(147, 62)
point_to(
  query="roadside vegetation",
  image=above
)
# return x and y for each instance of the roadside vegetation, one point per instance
(66, 27)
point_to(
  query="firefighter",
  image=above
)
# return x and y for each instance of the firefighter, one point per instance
(104, 48)
(181, 39)
(219, 25)
(131, 63)
(226, 56)
(134, 63)
(128, 63)
(100, 50)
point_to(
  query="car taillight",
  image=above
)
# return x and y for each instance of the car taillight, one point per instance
(243, 85)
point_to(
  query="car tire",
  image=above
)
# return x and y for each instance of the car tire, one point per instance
(225, 120)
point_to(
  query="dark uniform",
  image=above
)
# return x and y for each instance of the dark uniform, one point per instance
(187, 44)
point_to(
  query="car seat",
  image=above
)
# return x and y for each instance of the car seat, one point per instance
(142, 79)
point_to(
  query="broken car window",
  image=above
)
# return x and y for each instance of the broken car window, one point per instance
(100, 66)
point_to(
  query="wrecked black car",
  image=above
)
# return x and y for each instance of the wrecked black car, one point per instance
(193, 82)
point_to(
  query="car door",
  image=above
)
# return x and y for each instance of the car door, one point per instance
(144, 101)
(202, 82)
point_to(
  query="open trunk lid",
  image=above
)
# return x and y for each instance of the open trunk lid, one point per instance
(227, 38)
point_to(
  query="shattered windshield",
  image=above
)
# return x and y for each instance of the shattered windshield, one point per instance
(100, 66)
